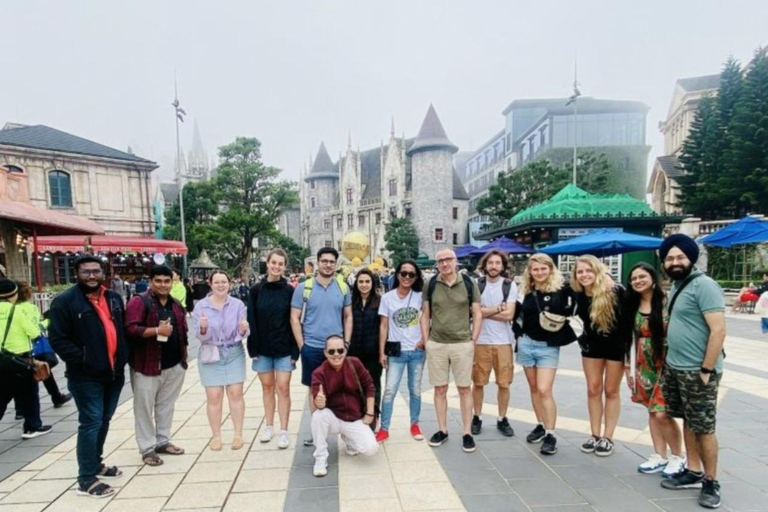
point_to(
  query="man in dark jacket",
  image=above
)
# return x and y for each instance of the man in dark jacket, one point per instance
(86, 331)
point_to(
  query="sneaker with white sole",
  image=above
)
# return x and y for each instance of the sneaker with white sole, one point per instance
(604, 447)
(654, 464)
(31, 434)
(674, 466)
(268, 434)
(320, 469)
(283, 440)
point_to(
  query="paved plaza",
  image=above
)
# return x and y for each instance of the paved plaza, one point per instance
(503, 474)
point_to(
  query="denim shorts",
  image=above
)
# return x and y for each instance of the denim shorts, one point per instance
(266, 364)
(537, 354)
(311, 359)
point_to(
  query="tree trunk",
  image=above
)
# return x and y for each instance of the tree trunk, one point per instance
(245, 262)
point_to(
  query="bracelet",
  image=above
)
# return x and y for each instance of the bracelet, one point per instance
(371, 415)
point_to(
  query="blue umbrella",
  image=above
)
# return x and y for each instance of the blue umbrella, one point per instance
(504, 245)
(463, 251)
(748, 230)
(604, 242)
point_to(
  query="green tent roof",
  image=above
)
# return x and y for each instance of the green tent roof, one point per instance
(575, 202)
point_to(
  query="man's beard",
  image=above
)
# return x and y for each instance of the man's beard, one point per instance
(88, 289)
(678, 272)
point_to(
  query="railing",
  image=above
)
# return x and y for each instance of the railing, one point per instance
(43, 300)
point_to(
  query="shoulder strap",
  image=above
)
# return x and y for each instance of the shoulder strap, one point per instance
(469, 285)
(8, 325)
(431, 289)
(145, 298)
(680, 289)
(481, 285)
(506, 287)
(309, 283)
(343, 286)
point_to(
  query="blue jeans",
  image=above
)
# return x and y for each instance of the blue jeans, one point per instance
(414, 361)
(96, 403)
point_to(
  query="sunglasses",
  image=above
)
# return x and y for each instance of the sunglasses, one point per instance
(334, 351)
(408, 275)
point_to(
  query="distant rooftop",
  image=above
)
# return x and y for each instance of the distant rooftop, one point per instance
(700, 83)
(586, 105)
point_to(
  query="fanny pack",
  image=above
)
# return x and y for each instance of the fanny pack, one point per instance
(551, 322)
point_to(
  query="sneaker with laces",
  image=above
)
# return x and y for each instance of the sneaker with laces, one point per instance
(590, 445)
(267, 435)
(549, 446)
(438, 438)
(505, 428)
(31, 434)
(283, 441)
(468, 443)
(320, 469)
(416, 432)
(654, 464)
(477, 425)
(686, 479)
(382, 435)
(709, 497)
(674, 466)
(604, 447)
(537, 434)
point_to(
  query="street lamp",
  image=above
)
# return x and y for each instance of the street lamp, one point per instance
(572, 99)
(179, 114)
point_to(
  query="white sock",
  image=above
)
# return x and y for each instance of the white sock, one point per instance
(501, 418)
(284, 432)
(547, 432)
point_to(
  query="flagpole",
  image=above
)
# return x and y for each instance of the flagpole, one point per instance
(576, 94)
(178, 112)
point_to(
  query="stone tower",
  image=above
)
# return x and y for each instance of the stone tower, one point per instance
(432, 185)
(322, 185)
(197, 160)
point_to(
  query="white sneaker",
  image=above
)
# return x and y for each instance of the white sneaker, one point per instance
(267, 435)
(674, 466)
(320, 469)
(282, 441)
(654, 464)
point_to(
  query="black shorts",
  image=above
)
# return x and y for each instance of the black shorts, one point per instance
(602, 348)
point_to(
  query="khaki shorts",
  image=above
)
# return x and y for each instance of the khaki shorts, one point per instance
(456, 358)
(493, 357)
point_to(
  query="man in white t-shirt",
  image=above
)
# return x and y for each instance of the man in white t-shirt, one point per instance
(493, 351)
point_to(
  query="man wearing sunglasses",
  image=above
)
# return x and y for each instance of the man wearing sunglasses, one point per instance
(343, 395)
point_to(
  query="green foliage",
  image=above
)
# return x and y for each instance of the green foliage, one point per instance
(296, 253)
(401, 240)
(538, 181)
(200, 209)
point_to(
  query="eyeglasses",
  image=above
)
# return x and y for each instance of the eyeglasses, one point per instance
(92, 272)
(679, 258)
(408, 275)
(328, 262)
(445, 260)
(334, 351)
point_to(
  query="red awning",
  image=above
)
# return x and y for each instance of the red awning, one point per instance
(47, 222)
(111, 244)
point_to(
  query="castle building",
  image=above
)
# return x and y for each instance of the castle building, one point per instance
(413, 178)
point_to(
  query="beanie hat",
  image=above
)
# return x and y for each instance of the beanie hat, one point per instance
(8, 288)
(682, 242)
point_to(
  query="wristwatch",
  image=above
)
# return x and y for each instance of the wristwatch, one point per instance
(707, 371)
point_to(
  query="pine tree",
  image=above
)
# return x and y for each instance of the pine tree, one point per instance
(699, 161)
(401, 240)
(728, 185)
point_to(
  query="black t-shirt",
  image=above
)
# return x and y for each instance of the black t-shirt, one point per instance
(584, 303)
(170, 351)
(559, 303)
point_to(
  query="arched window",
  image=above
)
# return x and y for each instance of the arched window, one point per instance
(15, 168)
(60, 184)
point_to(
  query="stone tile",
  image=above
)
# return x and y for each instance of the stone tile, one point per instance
(503, 449)
(625, 500)
(484, 481)
(649, 486)
(212, 472)
(407, 452)
(27, 507)
(269, 501)
(428, 496)
(301, 477)
(70, 501)
(254, 480)
(589, 476)
(312, 500)
(679, 504)
(417, 472)
(134, 505)
(38, 491)
(199, 495)
(522, 468)
(364, 465)
(49, 440)
(564, 508)
(171, 464)
(225, 454)
(353, 486)
(192, 433)
(10, 468)
(371, 505)
(741, 496)
(150, 486)
(267, 460)
(43, 461)
(16, 480)
(66, 446)
(61, 469)
(488, 502)
(23, 453)
(121, 458)
(545, 491)
(452, 457)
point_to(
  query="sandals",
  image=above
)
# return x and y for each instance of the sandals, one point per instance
(109, 472)
(215, 443)
(237, 441)
(151, 459)
(96, 490)
(170, 449)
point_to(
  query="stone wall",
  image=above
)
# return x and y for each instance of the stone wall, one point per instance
(433, 198)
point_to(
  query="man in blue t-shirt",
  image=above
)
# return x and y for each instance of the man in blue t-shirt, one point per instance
(694, 364)
(326, 311)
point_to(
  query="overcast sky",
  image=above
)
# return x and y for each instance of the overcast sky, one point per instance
(294, 73)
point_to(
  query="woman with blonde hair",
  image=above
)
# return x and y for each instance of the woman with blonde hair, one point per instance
(546, 303)
(598, 304)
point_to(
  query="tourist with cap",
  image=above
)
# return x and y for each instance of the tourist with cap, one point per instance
(16, 334)
(694, 364)
(157, 333)
(87, 333)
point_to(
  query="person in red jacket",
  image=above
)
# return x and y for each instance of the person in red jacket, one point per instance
(343, 393)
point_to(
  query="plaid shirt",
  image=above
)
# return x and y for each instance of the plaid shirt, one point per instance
(146, 352)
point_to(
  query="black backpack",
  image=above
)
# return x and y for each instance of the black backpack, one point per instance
(467, 284)
(506, 287)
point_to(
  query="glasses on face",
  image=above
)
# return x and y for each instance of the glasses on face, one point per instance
(445, 261)
(680, 258)
(334, 351)
(635, 279)
(408, 275)
(92, 272)
(327, 262)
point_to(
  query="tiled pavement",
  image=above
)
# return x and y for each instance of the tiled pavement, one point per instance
(503, 474)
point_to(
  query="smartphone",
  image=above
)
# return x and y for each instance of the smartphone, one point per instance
(164, 319)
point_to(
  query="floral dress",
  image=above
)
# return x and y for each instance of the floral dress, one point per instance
(647, 388)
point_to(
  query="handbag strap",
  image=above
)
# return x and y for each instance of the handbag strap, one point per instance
(680, 289)
(8, 326)
(359, 385)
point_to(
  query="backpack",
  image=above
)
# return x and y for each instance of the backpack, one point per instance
(467, 284)
(309, 283)
(506, 287)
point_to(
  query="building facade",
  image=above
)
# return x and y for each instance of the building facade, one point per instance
(676, 127)
(364, 190)
(76, 176)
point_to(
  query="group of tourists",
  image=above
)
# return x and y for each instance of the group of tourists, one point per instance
(347, 335)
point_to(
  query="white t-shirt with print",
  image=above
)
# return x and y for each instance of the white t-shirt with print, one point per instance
(496, 332)
(403, 318)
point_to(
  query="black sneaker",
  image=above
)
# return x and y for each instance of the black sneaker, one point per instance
(66, 397)
(709, 497)
(537, 434)
(687, 479)
(590, 444)
(309, 442)
(467, 443)
(19, 416)
(477, 425)
(504, 427)
(604, 447)
(31, 434)
(549, 446)
(438, 438)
